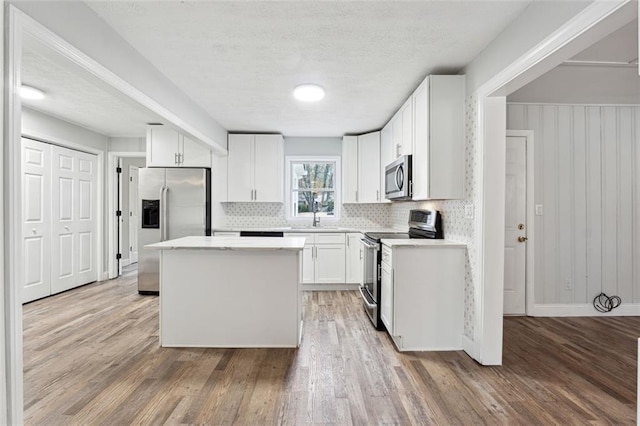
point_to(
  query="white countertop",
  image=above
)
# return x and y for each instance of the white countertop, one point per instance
(231, 243)
(419, 242)
(309, 229)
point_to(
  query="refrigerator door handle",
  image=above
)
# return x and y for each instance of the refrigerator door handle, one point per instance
(164, 223)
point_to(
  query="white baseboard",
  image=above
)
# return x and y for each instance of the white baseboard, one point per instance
(329, 287)
(125, 262)
(582, 310)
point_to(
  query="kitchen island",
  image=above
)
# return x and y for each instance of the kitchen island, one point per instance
(230, 292)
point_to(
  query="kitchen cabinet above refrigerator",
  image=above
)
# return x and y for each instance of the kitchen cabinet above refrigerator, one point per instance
(168, 148)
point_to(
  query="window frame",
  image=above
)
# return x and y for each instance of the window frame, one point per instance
(337, 186)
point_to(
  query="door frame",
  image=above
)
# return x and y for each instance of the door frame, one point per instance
(530, 219)
(131, 227)
(112, 178)
(595, 21)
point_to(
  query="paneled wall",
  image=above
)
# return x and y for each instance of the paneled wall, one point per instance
(587, 161)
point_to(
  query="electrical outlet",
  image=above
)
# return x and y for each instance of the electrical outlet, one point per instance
(468, 211)
(568, 285)
(539, 210)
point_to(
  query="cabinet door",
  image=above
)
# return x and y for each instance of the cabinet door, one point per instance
(386, 154)
(240, 168)
(369, 168)
(350, 169)
(163, 145)
(396, 134)
(386, 296)
(194, 154)
(330, 263)
(354, 261)
(421, 142)
(308, 264)
(268, 163)
(407, 128)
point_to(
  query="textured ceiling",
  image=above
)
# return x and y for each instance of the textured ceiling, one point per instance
(75, 97)
(241, 60)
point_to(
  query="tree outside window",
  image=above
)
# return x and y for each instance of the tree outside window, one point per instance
(313, 188)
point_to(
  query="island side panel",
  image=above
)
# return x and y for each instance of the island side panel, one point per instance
(230, 298)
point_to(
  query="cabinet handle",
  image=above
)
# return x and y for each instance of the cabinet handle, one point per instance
(255, 194)
(377, 195)
(175, 158)
(360, 254)
(180, 159)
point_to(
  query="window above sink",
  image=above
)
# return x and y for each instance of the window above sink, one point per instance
(312, 190)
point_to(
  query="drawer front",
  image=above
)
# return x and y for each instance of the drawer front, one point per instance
(386, 254)
(330, 238)
(310, 238)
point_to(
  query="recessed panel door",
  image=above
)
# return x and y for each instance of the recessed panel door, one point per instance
(86, 221)
(36, 219)
(64, 248)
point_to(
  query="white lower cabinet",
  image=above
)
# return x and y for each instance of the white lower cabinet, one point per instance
(422, 296)
(323, 257)
(386, 296)
(354, 258)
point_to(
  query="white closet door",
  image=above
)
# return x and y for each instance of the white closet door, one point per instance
(86, 223)
(74, 222)
(36, 219)
(64, 248)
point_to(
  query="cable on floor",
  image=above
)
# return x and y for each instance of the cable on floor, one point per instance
(604, 303)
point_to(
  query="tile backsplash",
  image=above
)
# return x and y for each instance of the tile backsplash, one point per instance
(273, 215)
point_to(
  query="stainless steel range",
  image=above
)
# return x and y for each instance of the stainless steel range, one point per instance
(422, 224)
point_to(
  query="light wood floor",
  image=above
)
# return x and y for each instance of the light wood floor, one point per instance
(92, 357)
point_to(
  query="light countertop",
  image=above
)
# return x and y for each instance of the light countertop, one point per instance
(306, 230)
(231, 243)
(418, 242)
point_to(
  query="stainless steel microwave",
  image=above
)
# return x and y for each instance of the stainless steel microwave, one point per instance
(397, 179)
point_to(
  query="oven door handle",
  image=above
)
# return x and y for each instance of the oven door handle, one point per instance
(369, 245)
(366, 302)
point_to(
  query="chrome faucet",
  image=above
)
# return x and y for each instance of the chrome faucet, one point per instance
(316, 219)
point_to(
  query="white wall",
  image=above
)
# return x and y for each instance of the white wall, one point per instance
(587, 176)
(128, 144)
(90, 34)
(312, 146)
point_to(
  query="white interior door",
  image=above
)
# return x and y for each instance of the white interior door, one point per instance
(36, 219)
(515, 251)
(87, 220)
(134, 214)
(74, 221)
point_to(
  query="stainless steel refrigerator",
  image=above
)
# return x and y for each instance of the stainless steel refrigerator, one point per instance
(175, 203)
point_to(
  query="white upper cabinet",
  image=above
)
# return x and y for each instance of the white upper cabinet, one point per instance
(361, 169)
(369, 168)
(438, 145)
(406, 145)
(349, 169)
(396, 133)
(168, 148)
(386, 155)
(255, 168)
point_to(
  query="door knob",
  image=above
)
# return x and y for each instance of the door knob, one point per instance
(522, 239)
(66, 228)
(33, 231)
(521, 226)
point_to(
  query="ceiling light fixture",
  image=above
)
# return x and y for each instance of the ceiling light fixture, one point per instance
(27, 92)
(308, 93)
